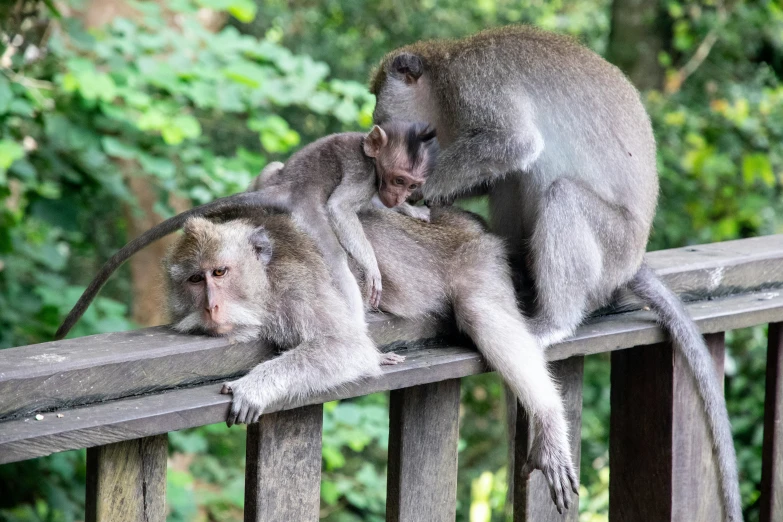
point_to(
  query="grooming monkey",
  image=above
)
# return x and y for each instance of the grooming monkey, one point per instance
(264, 279)
(563, 142)
(326, 183)
(323, 185)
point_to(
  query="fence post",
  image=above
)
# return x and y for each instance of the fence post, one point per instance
(283, 469)
(126, 481)
(423, 437)
(772, 450)
(660, 449)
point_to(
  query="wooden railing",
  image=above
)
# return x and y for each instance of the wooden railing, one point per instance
(119, 394)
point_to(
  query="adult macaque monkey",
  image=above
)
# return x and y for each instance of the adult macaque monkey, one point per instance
(323, 185)
(562, 140)
(264, 279)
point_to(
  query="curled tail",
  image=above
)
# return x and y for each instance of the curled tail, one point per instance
(688, 339)
(215, 208)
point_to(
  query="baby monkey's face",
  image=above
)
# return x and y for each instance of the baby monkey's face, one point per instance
(217, 279)
(404, 154)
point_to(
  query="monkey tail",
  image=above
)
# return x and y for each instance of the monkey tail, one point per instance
(688, 339)
(246, 200)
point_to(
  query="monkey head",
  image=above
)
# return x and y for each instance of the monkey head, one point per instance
(404, 155)
(402, 90)
(217, 279)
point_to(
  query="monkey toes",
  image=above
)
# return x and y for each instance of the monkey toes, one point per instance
(557, 469)
(391, 358)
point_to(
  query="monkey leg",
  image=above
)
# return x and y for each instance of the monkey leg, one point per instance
(582, 249)
(488, 314)
(312, 367)
(483, 156)
(315, 222)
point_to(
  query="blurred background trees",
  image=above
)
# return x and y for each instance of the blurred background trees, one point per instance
(115, 114)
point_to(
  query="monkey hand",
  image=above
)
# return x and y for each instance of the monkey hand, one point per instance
(420, 212)
(554, 461)
(248, 403)
(373, 287)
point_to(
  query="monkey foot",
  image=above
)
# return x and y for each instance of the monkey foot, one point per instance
(558, 470)
(388, 359)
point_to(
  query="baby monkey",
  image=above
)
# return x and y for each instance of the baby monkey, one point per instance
(326, 183)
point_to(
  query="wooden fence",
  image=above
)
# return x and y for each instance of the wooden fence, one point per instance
(120, 394)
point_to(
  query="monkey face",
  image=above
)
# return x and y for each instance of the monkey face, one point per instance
(404, 154)
(397, 186)
(217, 279)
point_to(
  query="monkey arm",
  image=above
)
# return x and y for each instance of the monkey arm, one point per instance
(312, 367)
(346, 225)
(479, 157)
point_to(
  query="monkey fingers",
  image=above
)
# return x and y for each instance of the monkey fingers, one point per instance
(375, 289)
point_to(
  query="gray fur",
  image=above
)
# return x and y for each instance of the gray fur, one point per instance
(448, 265)
(566, 146)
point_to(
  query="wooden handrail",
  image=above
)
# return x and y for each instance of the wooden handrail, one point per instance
(118, 394)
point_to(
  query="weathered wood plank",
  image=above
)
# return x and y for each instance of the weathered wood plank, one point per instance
(72, 372)
(134, 417)
(771, 501)
(660, 453)
(532, 499)
(423, 437)
(126, 481)
(283, 470)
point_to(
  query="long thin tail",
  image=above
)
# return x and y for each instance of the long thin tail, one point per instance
(215, 208)
(687, 338)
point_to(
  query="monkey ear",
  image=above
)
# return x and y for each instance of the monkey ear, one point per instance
(427, 134)
(262, 244)
(196, 225)
(375, 141)
(407, 66)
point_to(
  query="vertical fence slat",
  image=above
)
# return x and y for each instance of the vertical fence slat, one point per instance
(126, 481)
(423, 437)
(660, 451)
(532, 500)
(283, 468)
(772, 450)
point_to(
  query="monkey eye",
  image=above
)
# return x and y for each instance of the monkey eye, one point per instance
(196, 278)
(399, 181)
(220, 272)
(413, 187)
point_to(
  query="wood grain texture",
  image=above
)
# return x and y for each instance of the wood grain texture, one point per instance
(126, 481)
(134, 417)
(283, 470)
(771, 501)
(423, 438)
(660, 450)
(74, 372)
(531, 496)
